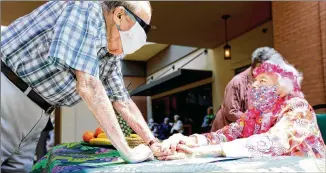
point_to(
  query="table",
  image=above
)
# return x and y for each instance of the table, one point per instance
(83, 158)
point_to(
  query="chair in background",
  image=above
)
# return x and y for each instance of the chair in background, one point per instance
(321, 120)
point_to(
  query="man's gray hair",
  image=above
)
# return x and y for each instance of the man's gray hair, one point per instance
(130, 5)
(263, 54)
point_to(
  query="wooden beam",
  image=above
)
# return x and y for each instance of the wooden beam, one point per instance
(57, 126)
(183, 88)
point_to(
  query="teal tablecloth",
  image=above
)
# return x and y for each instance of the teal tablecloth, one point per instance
(82, 158)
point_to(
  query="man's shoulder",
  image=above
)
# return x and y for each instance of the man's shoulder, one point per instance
(92, 8)
(239, 78)
(235, 81)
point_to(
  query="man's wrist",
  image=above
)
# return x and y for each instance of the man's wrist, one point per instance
(153, 141)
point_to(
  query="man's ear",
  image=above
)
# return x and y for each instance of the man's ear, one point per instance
(117, 15)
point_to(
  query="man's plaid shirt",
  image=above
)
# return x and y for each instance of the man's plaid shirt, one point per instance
(45, 47)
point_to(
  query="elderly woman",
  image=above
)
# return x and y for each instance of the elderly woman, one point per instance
(280, 122)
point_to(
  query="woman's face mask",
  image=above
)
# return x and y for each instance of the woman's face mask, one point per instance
(263, 98)
(264, 93)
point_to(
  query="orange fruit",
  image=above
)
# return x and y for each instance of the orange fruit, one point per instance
(87, 136)
(98, 131)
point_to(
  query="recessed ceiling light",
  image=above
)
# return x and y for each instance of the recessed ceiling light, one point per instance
(149, 43)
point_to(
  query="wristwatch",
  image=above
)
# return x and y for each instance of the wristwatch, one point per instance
(151, 142)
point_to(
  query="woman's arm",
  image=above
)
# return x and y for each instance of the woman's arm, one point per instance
(296, 132)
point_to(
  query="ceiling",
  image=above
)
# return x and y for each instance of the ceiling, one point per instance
(186, 23)
(146, 52)
(199, 23)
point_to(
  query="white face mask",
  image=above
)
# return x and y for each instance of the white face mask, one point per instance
(133, 39)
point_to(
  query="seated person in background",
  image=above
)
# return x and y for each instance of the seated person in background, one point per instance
(235, 101)
(177, 126)
(151, 124)
(156, 129)
(153, 127)
(208, 120)
(279, 123)
(165, 128)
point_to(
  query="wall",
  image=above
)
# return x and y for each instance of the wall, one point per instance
(202, 62)
(300, 36)
(78, 119)
(241, 49)
(223, 70)
(167, 56)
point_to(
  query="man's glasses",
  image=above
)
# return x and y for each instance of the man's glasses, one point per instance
(140, 21)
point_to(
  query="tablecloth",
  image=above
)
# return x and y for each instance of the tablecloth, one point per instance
(83, 158)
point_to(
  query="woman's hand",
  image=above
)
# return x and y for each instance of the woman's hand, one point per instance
(169, 146)
(184, 151)
(176, 156)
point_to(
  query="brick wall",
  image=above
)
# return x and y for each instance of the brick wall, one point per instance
(300, 36)
(322, 15)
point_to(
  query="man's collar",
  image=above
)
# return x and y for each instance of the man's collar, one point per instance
(249, 74)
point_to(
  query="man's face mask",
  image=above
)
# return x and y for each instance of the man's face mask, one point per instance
(135, 38)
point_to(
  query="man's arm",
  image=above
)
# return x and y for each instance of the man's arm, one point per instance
(126, 107)
(93, 93)
(231, 106)
(134, 118)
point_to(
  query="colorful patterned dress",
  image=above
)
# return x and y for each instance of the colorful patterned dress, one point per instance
(289, 130)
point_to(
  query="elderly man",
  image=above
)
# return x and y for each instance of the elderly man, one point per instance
(235, 101)
(64, 52)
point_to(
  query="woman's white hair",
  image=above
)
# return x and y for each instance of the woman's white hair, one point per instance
(285, 83)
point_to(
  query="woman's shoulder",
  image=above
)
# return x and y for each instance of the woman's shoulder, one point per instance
(297, 104)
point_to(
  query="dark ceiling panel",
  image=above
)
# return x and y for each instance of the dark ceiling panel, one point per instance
(174, 80)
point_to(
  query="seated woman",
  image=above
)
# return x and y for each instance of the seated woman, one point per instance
(280, 122)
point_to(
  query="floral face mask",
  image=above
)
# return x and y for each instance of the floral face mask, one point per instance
(264, 98)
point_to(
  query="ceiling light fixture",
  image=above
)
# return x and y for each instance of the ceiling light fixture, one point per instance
(227, 47)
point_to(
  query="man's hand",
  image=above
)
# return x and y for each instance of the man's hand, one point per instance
(156, 149)
(139, 154)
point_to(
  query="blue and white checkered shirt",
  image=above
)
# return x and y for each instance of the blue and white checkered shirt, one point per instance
(45, 47)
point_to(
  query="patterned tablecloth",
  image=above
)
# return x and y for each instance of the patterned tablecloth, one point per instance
(82, 158)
